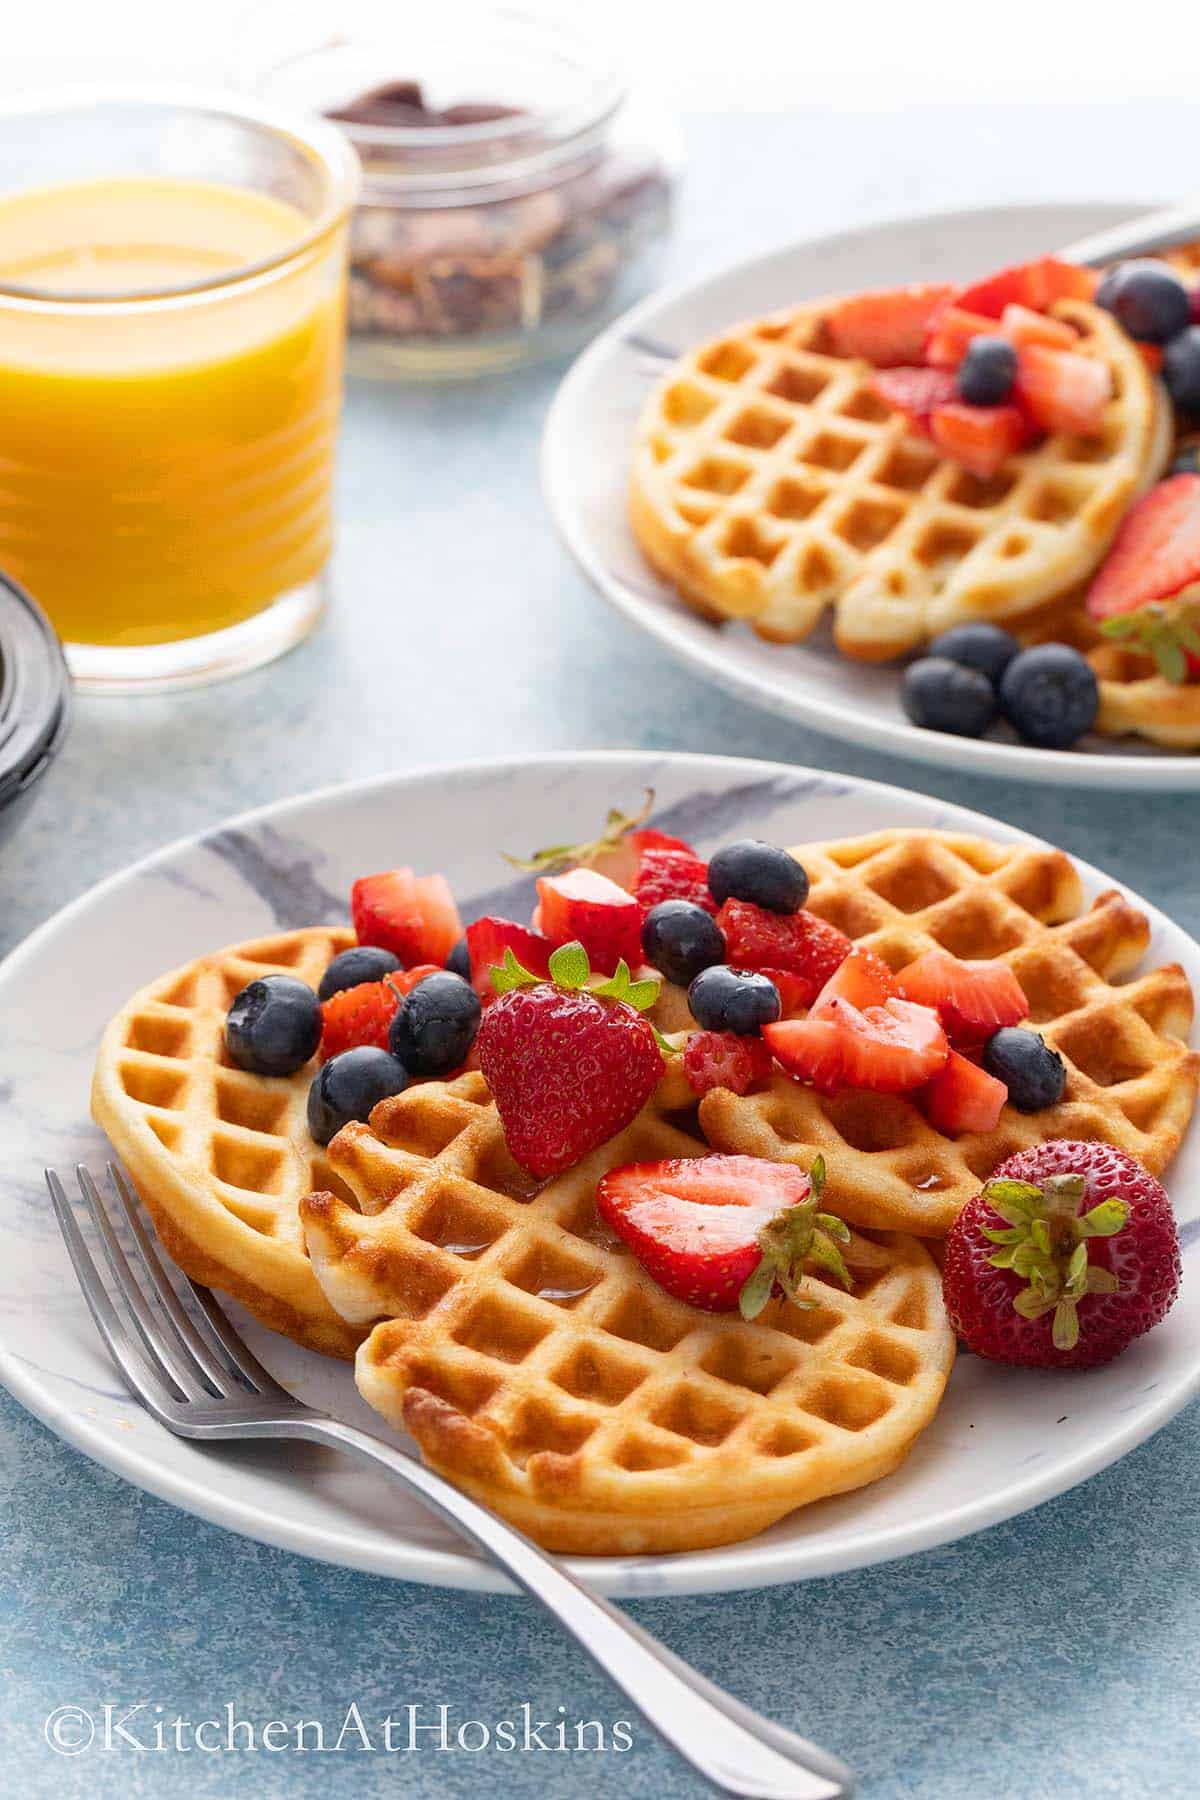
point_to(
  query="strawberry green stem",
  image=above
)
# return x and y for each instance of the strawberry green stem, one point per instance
(797, 1235)
(1045, 1242)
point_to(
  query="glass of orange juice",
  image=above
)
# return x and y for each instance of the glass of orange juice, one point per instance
(172, 291)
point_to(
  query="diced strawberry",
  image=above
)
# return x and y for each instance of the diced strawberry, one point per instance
(1021, 325)
(972, 999)
(889, 1049)
(914, 392)
(887, 327)
(982, 438)
(1061, 390)
(799, 943)
(963, 1097)
(952, 331)
(1151, 355)
(673, 875)
(694, 1222)
(589, 907)
(1156, 553)
(864, 979)
(720, 1059)
(1037, 285)
(622, 860)
(362, 1015)
(489, 938)
(415, 918)
(795, 991)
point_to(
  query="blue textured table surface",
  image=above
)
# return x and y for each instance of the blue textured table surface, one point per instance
(1052, 1655)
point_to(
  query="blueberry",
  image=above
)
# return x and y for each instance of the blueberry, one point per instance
(1187, 460)
(459, 960)
(987, 371)
(725, 999)
(349, 1085)
(435, 1028)
(985, 648)
(1181, 369)
(760, 873)
(1034, 1075)
(1147, 298)
(273, 1026)
(1050, 696)
(944, 696)
(680, 939)
(364, 963)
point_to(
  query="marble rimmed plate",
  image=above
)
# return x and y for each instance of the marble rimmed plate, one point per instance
(585, 464)
(1003, 1440)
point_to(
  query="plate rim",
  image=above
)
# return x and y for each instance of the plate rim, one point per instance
(675, 628)
(718, 1570)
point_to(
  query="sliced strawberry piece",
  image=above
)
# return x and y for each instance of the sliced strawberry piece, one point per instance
(914, 392)
(963, 1097)
(416, 919)
(622, 862)
(361, 1015)
(694, 1222)
(720, 1059)
(795, 991)
(665, 874)
(800, 943)
(981, 438)
(589, 907)
(489, 938)
(888, 327)
(1037, 285)
(889, 1049)
(1061, 390)
(1021, 325)
(953, 330)
(972, 999)
(1156, 552)
(864, 979)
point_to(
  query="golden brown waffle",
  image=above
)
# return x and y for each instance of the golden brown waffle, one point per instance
(1131, 1080)
(541, 1369)
(771, 484)
(1135, 700)
(221, 1157)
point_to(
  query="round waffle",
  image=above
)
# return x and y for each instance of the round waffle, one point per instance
(1131, 1080)
(541, 1369)
(771, 484)
(221, 1157)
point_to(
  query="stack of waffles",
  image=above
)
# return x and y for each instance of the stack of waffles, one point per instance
(497, 1319)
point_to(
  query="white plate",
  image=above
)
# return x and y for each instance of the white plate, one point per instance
(585, 463)
(1002, 1441)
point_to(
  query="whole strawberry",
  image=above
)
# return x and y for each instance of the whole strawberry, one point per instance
(569, 1065)
(1067, 1255)
(800, 943)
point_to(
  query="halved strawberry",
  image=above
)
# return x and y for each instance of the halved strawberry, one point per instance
(622, 861)
(705, 1227)
(889, 326)
(800, 943)
(1021, 325)
(1156, 553)
(981, 438)
(890, 1049)
(489, 938)
(361, 1015)
(584, 906)
(415, 918)
(1061, 390)
(1037, 285)
(972, 999)
(795, 991)
(952, 331)
(914, 392)
(864, 979)
(665, 874)
(962, 1097)
(713, 1059)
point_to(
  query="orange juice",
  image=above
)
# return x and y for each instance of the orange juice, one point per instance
(167, 415)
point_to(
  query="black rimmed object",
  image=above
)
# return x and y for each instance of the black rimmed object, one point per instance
(35, 701)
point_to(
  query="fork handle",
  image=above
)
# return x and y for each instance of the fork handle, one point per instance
(1139, 236)
(729, 1744)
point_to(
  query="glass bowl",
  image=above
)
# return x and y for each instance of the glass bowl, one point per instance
(515, 194)
(35, 701)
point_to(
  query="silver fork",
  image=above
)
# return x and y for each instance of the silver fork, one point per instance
(196, 1377)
